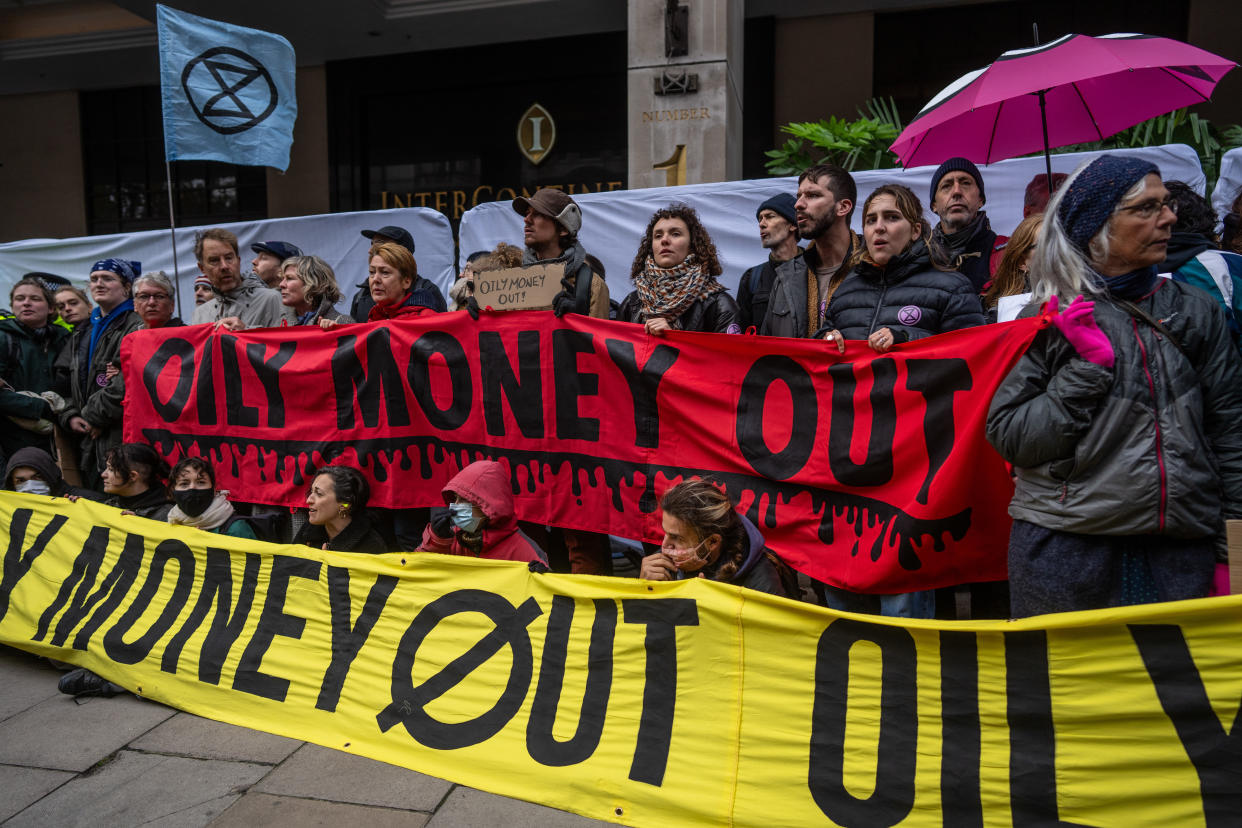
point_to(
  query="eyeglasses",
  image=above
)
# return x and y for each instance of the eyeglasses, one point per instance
(1150, 208)
(151, 297)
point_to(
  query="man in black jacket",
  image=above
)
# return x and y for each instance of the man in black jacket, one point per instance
(963, 240)
(778, 233)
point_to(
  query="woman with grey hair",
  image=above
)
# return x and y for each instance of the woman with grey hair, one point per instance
(154, 300)
(308, 286)
(1123, 419)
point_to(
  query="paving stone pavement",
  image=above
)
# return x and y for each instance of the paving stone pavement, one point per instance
(127, 761)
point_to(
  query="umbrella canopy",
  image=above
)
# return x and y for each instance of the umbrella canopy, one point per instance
(1092, 87)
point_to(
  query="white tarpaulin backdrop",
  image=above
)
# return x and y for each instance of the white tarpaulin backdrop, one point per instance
(613, 223)
(1229, 184)
(335, 237)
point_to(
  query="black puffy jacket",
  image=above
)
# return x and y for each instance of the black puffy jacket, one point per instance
(716, 314)
(908, 296)
(1151, 445)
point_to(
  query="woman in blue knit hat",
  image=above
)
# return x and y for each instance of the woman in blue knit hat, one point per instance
(1123, 420)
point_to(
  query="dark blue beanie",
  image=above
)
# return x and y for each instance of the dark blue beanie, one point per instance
(1093, 194)
(783, 205)
(958, 164)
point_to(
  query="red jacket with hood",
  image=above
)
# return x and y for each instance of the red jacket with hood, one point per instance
(486, 484)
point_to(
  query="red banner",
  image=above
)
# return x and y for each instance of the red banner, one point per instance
(863, 470)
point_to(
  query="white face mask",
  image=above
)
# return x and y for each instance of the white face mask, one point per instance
(34, 487)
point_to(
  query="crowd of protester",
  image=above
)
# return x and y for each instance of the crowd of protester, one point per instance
(1122, 422)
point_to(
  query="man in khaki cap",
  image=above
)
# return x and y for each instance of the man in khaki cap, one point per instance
(550, 233)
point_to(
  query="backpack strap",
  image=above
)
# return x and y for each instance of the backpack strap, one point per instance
(1143, 316)
(582, 289)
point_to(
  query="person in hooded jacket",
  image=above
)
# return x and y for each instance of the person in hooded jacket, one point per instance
(895, 292)
(336, 502)
(94, 407)
(198, 503)
(134, 478)
(479, 520)
(675, 274)
(29, 347)
(705, 536)
(33, 471)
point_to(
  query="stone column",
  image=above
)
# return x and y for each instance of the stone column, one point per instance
(695, 135)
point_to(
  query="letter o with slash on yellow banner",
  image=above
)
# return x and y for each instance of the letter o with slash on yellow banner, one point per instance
(652, 704)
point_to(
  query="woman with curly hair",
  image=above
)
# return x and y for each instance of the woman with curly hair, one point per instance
(675, 274)
(705, 536)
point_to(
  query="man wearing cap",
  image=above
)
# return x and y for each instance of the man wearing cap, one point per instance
(360, 307)
(804, 285)
(963, 239)
(269, 256)
(550, 233)
(240, 301)
(778, 233)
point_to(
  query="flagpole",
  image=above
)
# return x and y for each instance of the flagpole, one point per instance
(172, 230)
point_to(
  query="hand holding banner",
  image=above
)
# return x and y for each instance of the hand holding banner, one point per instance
(227, 91)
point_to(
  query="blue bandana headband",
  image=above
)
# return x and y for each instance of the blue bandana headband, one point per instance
(1095, 192)
(128, 271)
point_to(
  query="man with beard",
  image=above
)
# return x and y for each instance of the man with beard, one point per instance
(778, 233)
(804, 285)
(963, 239)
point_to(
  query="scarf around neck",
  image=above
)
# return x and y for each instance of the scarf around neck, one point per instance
(952, 246)
(1132, 286)
(667, 293)
(100, 323)
(213, 518)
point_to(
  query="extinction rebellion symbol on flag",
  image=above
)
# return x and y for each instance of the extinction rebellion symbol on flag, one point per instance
(234, 90)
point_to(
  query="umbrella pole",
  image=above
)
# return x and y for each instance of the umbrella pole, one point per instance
(1043, 116)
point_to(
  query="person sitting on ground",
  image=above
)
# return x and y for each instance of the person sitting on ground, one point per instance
(73, 306)
(1013, 274)
(675, 274)
(393, 289)
(895, 292)
(192, 487)
(308, 286)
(33, 471)
(479, 520)
(133, 478)
(154, 300)
(706, 537)
(29, 346)
(1194, 258)
(463, 288)
(336, 503)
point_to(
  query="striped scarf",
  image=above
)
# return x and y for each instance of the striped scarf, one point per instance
(667, 293)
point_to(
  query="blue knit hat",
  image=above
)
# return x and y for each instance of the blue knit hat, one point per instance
(783, 205)
(128, 271)
(957, 164)
(1093, 194)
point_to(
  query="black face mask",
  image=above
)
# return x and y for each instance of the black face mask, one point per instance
(193, 501)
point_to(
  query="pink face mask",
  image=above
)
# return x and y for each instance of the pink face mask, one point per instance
(681, 556)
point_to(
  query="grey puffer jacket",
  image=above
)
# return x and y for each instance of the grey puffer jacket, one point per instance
(1152, 445)
(908, 296)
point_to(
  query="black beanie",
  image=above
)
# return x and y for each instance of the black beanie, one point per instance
(783, 205)
(957, 164)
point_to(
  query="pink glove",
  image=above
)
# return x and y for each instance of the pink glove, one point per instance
(1077, 323)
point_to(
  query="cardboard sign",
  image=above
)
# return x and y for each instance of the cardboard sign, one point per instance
(519, 288)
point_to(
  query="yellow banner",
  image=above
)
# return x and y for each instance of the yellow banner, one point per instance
(652, 704)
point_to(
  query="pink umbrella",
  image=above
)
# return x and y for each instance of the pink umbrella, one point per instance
(1077, 88)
